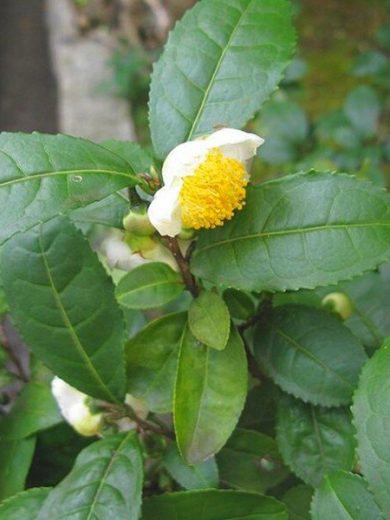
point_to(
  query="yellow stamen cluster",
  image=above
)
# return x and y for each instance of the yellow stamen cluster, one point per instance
(212, 194)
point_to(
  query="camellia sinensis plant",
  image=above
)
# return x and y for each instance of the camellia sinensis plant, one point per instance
(203, 331)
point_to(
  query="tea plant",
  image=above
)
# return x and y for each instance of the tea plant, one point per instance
(216, 338)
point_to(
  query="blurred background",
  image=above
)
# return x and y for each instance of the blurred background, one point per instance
(83, 66)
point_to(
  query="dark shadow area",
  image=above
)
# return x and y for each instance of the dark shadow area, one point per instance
(27, 85)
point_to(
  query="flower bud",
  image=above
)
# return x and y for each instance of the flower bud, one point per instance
(75, 409)
(137, 222)
(339, 303)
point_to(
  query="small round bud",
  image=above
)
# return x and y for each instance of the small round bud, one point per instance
(137, 222)
(339, 303)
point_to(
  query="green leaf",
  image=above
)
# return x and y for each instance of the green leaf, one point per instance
(310, 354)
(55, 454)
(209, 320)
(210, 392)
(152, 361)
(363, 107)
(109, 211)
(371, 412)
(65, 308)
(344, 496)
(148, 286)
(25, 505)
(314, 441)
(239, 63)
(299, 231)
(34, 410)
(137, 158)
(105, 482)
(368, 63)
(369, 294)
(213, 505)
(241, 306)
(196, 476)
(250, 461)
(44, 175)
(298, 500)
(15, 457)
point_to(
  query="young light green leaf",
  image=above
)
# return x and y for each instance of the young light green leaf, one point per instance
(209, 320)
(310, 354)
(239, 63)
(105, 482)
(210, 392)
(152, 361)
(213, 505)
(65, 308)
(24, 505)
(344, 496)
(298, 500)
(35, 409)
(371, 412)
(241, 306)
(314, 441)
(300, 231)
(148, 286)
(15, 457)
(64, 172)
(196, 476)
(250, 461)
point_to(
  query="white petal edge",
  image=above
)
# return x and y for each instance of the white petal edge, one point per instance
(164, 211)
(234, 143)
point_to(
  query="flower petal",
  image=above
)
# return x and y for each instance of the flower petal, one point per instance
(234, 143)
(183, 160)
(164, 211)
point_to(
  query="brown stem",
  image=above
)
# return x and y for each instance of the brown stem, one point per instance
(150, 426)
(188, 279)
(21, 374)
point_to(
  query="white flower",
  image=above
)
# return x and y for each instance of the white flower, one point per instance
(204, 181)
(74, 408)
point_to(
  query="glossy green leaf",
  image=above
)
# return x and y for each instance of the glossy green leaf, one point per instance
(300, 231)
(196, 476)
(25, 505)
(148, 286)
(213, 505)
(298, 500)
(152, 361)
(137, 158)
(239, 63)
(109, 211)
(310, 354)
(210, 392)
(64, 305)
(369, 295)
(105, 483)
(371, 412)
(209, 320)
(344, 496)
(314, 441)
(250, 461)
(15, 457)
(241, 306)
(44, 175)
(363, 107)
(35, 409)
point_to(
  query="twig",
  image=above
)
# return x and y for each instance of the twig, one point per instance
(252, 363)
(21, 374)
(182, 263)
(150, 426)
